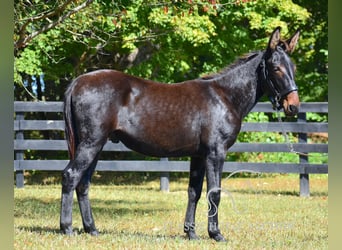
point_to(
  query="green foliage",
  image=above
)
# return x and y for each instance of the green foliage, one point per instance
(168, 42)
(316, 117)
(190, 27)
(28, 63)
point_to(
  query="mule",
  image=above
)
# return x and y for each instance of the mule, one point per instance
(200, 118)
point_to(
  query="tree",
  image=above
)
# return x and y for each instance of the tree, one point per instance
(312, 73)
(165, 41)
(23, 38)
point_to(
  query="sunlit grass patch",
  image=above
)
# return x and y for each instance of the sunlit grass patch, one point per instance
(255, 213)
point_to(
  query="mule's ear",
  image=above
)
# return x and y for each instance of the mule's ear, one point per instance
(292, 42)
(275, 39)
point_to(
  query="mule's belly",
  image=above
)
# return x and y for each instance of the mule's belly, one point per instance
(159, 150)
(160, 141)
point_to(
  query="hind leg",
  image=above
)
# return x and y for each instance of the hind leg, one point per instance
(71, 177)
(66, 203)
(82, 191)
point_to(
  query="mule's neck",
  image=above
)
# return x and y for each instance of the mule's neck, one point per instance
(241, 84)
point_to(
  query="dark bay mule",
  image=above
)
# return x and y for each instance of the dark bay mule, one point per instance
(200, 118)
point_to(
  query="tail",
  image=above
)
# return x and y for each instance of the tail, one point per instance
(69, 123)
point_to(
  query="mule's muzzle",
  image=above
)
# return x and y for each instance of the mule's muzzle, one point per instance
(292, 110)
(291, 104)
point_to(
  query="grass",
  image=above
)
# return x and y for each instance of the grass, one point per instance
(263, 212)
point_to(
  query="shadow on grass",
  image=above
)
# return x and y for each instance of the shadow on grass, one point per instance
(121, 234)
(41, 230)
(145, 236)
(31, 207)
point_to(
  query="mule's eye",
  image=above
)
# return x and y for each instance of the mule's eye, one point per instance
(281, 47)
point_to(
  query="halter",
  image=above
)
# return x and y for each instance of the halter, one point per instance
(275, 95)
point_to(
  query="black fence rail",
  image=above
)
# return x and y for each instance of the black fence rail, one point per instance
(165, 166)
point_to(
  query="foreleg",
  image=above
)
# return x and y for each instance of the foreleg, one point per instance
(197, 170)
(214, 174)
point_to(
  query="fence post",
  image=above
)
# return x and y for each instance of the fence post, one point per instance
(19, 155)
(164, 179)
(303, 178)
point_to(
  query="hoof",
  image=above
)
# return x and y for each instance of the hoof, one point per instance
(94, 233)
(68, 231)
(218, 237)
(192, 236)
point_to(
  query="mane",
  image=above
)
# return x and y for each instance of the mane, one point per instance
(241, 60)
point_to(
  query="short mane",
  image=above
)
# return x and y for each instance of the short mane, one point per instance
(241, 60)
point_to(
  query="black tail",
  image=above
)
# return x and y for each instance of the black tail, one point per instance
(69, 125)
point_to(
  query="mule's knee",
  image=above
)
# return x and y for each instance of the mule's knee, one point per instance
(70, 179)
(214, 194)
(194, 194)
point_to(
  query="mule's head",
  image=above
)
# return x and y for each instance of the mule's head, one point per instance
(279, 73)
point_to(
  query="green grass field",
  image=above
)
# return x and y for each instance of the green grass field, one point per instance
(263, 212)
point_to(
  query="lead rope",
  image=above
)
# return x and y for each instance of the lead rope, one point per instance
(289, 144)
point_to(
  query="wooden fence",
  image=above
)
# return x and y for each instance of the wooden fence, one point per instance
(165, 166)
